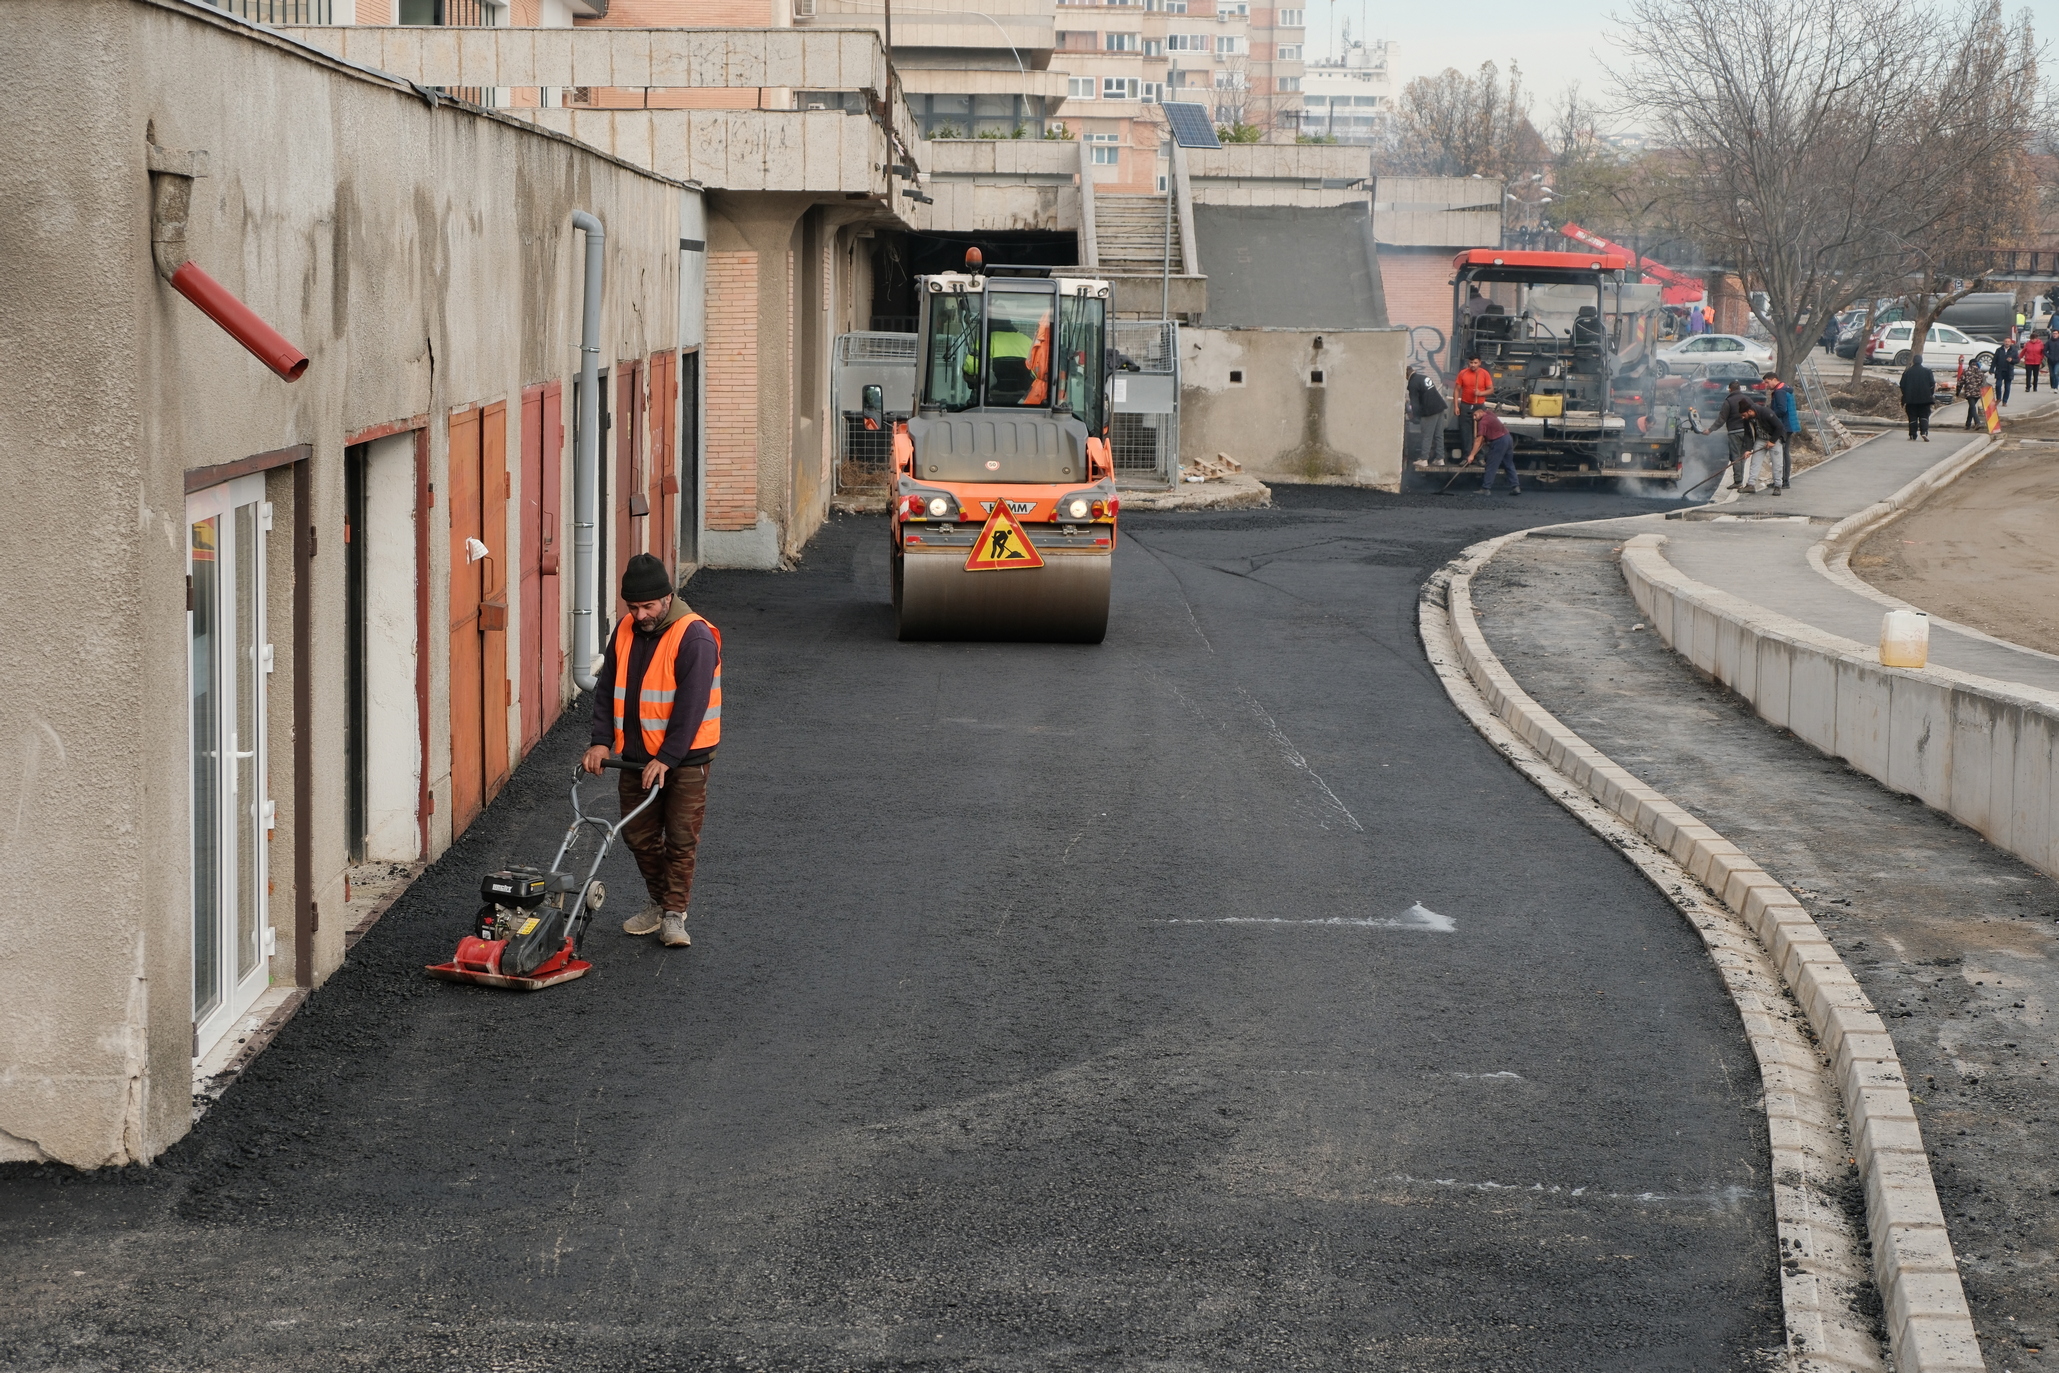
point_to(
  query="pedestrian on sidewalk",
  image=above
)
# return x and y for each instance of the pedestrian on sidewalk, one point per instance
(2006, 358)
(1919, 393)
(1501, 449)
(1475, 385)
(1971, 382)
(668, 661)
(1780, 400)
(1829, 336)
(1426, 408)
(2052, 360)
(2033, 360)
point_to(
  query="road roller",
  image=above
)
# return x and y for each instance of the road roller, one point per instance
(1004, 501)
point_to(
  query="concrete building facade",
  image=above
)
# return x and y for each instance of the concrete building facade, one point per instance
(281, 625)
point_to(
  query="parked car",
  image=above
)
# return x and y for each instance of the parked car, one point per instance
(1694, 354)
(1942, 345)
(1854, 332)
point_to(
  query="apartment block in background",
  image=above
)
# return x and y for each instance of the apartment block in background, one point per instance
(1351, 99)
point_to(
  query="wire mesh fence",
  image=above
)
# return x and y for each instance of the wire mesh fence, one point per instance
(1144, 426)
(864, 453)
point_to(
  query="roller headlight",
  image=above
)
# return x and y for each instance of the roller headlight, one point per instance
(939, 507)
(1076, 508)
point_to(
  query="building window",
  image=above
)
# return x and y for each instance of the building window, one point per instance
(1290, 83)
(1118, 88)
(1240, 10)
(1228, 45)
(1290, 52)
(1291, 19)
(1151, 92)
(1229, 81)
(1079, 88)
(1106, 151)
(1187, 42)
(1119, 42)
(1076, 41)
(1154, 47)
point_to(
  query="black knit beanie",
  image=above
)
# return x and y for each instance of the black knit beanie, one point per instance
(645, 579)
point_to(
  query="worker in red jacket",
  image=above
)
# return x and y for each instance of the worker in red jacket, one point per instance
(2034, 354)
(1474, 385)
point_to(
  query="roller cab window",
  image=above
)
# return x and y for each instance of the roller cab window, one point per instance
(1081, 357)
(951, 378)
(1019, 349)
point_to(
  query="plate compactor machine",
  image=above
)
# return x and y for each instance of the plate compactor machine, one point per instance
(1004, 501)
(527, 934)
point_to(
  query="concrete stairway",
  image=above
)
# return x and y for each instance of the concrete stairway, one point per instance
(1130, 238)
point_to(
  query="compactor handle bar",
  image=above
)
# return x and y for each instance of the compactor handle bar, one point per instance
(607, 831)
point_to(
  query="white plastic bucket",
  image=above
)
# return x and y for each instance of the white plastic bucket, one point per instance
(1904, 638)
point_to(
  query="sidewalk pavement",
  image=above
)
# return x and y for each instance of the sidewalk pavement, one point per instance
(1757, 548)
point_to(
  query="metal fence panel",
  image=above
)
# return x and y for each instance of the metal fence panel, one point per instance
(1144, 401)
(870, 358)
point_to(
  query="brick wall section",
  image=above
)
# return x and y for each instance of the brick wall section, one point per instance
(732, 390)
(1418, 286)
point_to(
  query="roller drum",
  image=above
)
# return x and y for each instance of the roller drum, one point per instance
(1064, 601)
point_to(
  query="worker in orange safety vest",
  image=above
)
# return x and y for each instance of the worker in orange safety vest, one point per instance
(659, 703)
(1474, 385)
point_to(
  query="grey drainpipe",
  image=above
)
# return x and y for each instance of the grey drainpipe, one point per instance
(586, 462)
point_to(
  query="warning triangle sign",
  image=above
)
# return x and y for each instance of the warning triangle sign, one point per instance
(1002, 544)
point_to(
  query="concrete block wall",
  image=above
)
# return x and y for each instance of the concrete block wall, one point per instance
(1982, 751)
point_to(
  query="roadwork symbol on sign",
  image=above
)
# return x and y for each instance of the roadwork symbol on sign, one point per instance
(1002, 544)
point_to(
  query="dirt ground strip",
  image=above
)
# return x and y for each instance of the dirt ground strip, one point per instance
(1985, 550)
(1955, 941)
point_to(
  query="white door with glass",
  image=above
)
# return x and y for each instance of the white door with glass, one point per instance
(227, 662)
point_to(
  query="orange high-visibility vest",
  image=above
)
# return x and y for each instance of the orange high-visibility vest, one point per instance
(659, 687)
(1040, 366)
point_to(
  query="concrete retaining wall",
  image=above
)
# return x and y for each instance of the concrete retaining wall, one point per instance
(1980, 750)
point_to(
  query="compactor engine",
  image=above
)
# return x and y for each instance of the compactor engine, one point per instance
(1004, 501)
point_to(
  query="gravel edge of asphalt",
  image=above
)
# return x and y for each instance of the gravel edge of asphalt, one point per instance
(1929, 1325)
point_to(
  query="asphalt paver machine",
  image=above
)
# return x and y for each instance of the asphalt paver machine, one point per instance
(1003, 499)
(1571, 344)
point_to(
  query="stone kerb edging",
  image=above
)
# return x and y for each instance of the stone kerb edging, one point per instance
(1983, 751)
(1928, 1324)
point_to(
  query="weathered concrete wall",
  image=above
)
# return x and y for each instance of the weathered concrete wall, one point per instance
(1437, 211)
(424, 260)
(1280, 174)
(1255, 394)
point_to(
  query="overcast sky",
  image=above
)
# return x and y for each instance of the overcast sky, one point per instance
(1555, 43)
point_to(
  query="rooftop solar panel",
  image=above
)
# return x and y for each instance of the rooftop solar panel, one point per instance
(1191, 126)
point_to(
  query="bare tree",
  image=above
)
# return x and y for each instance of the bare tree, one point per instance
(1823, 145)
(1452, 124)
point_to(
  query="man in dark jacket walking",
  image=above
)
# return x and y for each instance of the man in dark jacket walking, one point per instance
(2006, 358)
(658, 702)
(1919, 393)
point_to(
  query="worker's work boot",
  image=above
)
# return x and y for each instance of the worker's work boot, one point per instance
(674, 935)
(645, 921)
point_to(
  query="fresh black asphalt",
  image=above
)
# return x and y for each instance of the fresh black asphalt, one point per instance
(1211, 998)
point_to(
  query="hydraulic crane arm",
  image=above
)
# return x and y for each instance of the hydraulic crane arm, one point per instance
(1680, 290)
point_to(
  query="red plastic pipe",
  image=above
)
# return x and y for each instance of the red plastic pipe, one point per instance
(215, 301)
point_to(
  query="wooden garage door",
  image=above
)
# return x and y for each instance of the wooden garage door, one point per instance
(479, 693)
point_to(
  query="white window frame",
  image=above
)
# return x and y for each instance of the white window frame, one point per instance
(1289, 52)
(1152, 92)
(1118, 42)
(1118, 88)
(1079, 88)
(1226, 44)
(1106, 155)
(1291, 19)
(1290, 85)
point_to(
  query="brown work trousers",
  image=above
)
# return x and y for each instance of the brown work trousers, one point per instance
(664, 837)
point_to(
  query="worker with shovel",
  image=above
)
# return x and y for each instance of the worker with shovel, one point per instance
(668, 662)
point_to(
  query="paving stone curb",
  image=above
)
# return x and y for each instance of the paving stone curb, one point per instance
(1929, 1327)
